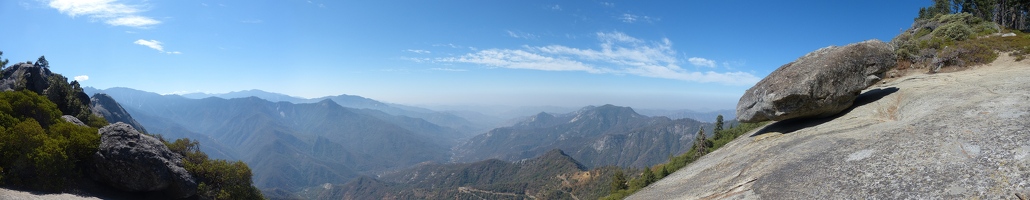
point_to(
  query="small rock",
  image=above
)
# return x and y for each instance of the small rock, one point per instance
(1008, 35)
(73, 120)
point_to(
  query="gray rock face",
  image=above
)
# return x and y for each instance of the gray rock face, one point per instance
(960, 135)
(107, 107)
(134, 162)
(23, 75)
(73, 120)
(819, 84)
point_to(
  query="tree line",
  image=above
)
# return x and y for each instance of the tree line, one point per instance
(1011, 14)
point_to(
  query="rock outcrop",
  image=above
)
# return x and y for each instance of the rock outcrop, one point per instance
(960, 135)
(25, 75)
(819, 84)
(135, 162)
(105, 106)
(73, 120)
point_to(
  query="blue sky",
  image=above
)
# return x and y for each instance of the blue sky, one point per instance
(646, 54)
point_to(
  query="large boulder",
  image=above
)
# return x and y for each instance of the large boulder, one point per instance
(135, 162)
(819, 84)
(105, 106)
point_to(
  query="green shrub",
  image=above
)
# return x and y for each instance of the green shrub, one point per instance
(217, 179)
(953, 31)
(38, 150)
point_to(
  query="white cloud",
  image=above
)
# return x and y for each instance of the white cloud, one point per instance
(156, 45)
(133, 21)
(419, 51)
(109, 11)
(608, 4)
(519, 59)
(631, 18)
(618, 54)
(153, 44)
(701, 62)
(521, 35)
(556, 7)
(81, 78)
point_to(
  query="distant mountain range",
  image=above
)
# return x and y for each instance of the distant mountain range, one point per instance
(595, 136)
(338, 143)
(289, 145)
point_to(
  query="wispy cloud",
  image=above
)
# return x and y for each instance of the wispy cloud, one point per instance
(701, 62)
(156, 45)
(631, 18)
(109, 11)
(608, 4)
(449, 69)
(81, 78)
(556, 7)
(618, 54)
(521, 35)
(153, 44)
(419, 51)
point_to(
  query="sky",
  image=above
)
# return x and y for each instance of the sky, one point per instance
(688, 54)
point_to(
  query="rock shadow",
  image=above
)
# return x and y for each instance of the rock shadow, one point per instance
(791, 125)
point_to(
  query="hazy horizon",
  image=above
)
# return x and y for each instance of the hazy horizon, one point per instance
(664, 55)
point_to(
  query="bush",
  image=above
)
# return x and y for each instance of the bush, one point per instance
(967, 53)
(217, 179)
(953, 31)
(34, 157)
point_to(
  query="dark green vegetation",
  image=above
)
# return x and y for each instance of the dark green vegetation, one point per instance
(964, 33)
(40, 151)
(620, 188)
(216, 179)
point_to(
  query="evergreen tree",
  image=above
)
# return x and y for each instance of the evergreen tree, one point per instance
(3, 62)
(718, 124)
(618, 181)
(648, 176)
(700, 144)
(41, 62)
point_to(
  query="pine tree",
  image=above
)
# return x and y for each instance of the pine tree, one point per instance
(700, 143)
(718, 124)
(648, 176)
(618, 182)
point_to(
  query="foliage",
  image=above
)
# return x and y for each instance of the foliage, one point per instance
(217, 179)
(3, 62)
(618, 181)
(939, 7)
(718, 124)
(39, 150)
(69, 97)
(720, 139)
(41, 62)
